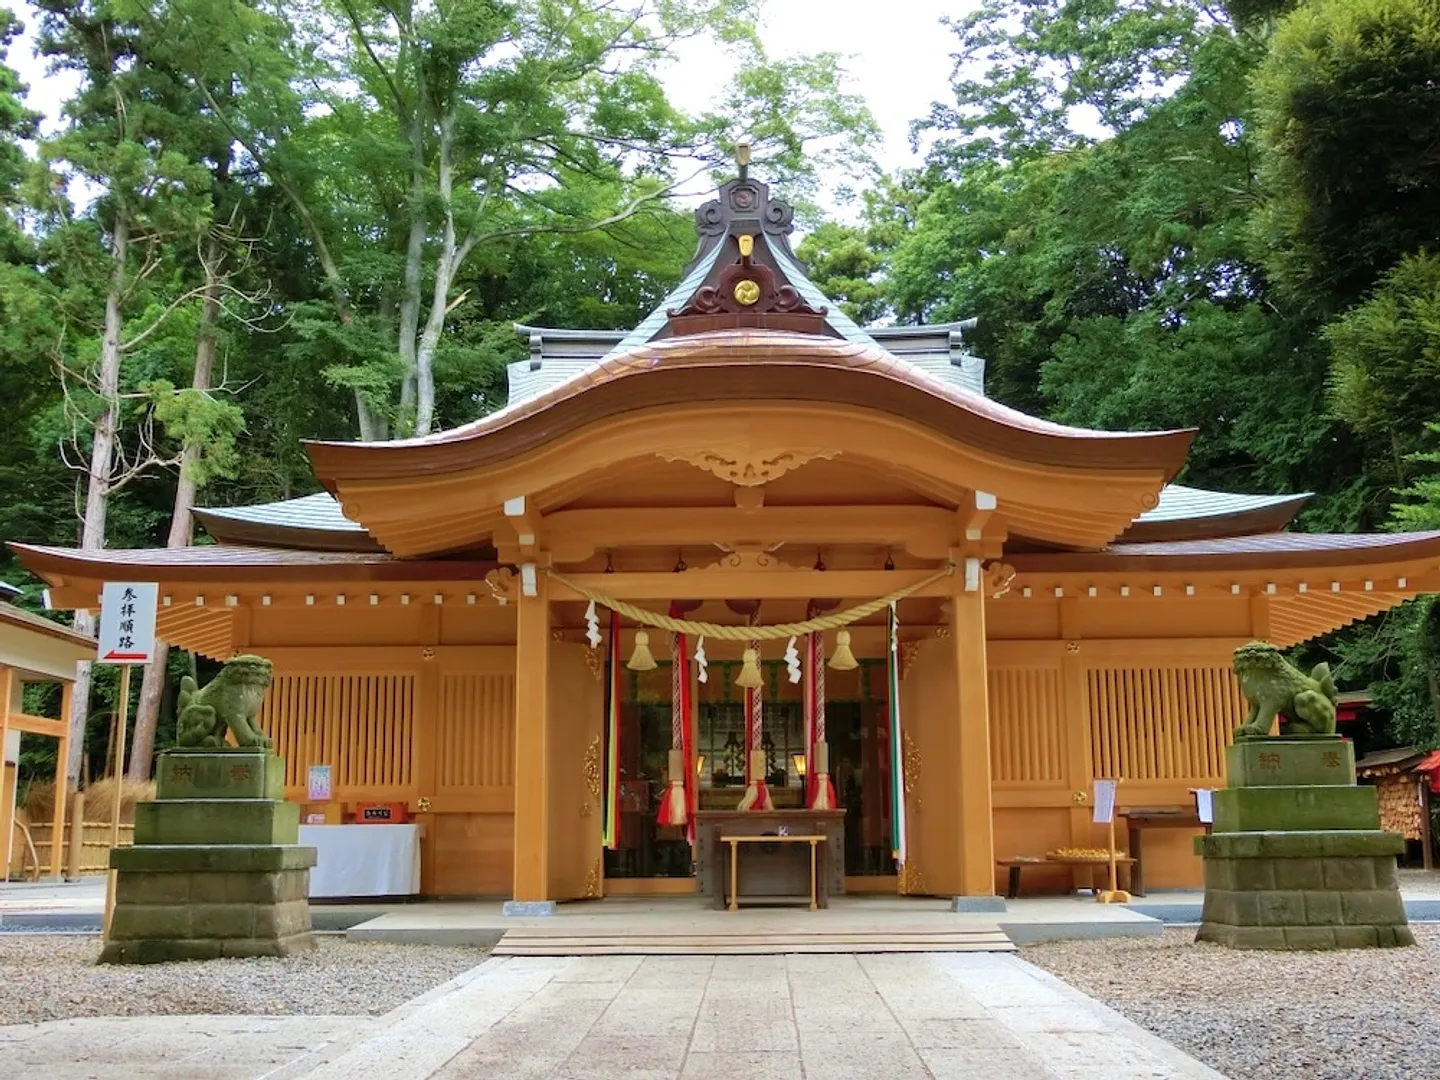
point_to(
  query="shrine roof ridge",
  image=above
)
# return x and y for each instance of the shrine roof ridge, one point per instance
(753, 365)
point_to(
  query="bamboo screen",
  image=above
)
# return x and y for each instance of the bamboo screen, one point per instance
(1027, 740)
(360, 725)
(476, 737)
(1162, 724)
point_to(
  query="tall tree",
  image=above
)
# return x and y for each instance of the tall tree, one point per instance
(132, 136)
(421, 135)
(1349, 110)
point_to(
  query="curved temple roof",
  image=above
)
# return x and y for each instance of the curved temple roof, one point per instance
(316, 523)
(751, 365)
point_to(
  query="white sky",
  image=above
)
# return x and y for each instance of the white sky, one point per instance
(897, 53)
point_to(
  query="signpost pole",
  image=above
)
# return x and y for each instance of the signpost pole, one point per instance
(127, 637)
(121, 716)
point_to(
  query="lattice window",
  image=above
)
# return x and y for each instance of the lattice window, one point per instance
(360, 725)
(1162, 724)
(1027, 739)
(476, 736)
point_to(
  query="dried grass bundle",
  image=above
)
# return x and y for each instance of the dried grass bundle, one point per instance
(99, 799)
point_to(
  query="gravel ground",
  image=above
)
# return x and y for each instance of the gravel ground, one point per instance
(1358, 1014)
(56, 978)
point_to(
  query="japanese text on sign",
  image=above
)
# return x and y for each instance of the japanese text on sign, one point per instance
(1105, 801)
(127, 622)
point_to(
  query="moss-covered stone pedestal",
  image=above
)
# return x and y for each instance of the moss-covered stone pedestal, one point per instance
(1297, 859)
(215, 870)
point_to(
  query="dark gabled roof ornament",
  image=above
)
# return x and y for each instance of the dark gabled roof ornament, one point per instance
(748, 264)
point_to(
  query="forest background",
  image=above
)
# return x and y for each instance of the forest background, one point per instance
(263, 221)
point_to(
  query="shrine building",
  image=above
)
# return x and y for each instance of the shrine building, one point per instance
(441, 626)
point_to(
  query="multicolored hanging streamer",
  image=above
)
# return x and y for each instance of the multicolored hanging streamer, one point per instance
(819, 788)
(757, 791)
(678, 805)
(897, 756)
(610, 782)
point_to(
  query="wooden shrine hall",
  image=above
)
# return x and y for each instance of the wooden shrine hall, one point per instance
(752, 555)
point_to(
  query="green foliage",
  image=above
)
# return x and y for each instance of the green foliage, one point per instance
(845, 263)
(1349, 113)
(1385, 379)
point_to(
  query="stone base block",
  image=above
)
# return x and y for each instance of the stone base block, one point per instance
(231, 773)
(1288, 809)
(1311, 890)
(216, 821)
(1311, 938)
(164, 950)
(1294, 761)
(968, 904)
(147, 887)
(1315, 843)
(520, 909)
(213, 858)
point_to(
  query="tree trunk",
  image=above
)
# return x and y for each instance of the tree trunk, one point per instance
(152, 688)
(414, 254)
(102, 459)
(445, 266)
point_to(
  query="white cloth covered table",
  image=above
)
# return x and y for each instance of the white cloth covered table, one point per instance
(363, 860)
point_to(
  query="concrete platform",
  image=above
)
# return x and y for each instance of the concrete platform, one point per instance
(871, 917)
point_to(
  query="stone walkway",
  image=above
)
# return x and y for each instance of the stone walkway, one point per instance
(940, 1016)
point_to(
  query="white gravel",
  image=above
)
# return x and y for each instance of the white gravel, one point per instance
(1356, 1014)
(56, 978)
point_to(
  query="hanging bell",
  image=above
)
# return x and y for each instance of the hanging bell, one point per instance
(749, 676)
(842, 659)
(641, 659)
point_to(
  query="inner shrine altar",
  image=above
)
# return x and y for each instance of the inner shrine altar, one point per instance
(773, 872)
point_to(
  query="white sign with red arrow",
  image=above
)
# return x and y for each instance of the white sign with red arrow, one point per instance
(127, 622)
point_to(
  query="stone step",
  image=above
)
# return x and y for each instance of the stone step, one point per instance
(532, 941)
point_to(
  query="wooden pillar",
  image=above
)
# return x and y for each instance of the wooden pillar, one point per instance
(1075, 718)
(532, 751)
(975, 827)
(57, 821)
(7, 793)
(424, 745)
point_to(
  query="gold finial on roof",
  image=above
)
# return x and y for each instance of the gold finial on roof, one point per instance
(742, 155)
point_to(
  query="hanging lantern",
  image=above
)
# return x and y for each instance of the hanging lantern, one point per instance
(842, 659)
(641, 659)
(749, 676)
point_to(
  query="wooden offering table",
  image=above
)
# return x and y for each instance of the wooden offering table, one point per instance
(789, 856)
(1138, 819)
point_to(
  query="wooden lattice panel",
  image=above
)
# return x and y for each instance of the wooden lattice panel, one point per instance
(1027, 740)
(362, 725)
(1162, 724)
(476, 736)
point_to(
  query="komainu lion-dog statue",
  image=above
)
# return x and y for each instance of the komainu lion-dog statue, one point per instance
(1304, 703)
(229, 701)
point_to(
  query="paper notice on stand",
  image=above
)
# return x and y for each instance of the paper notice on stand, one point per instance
(1105, 801)
(318, 787)
(1205, 805)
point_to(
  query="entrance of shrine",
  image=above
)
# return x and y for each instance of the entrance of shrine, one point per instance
(856, 710)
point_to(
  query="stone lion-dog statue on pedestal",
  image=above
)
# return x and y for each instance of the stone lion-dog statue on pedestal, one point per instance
(229, 701)
(1304, 703)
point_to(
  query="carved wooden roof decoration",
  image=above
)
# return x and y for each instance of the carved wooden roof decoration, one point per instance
(745, 241)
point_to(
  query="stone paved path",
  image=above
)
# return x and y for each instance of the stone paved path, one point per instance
(939, 1016)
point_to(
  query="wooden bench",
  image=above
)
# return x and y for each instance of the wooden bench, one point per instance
(1019, 862)
(815, 840)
